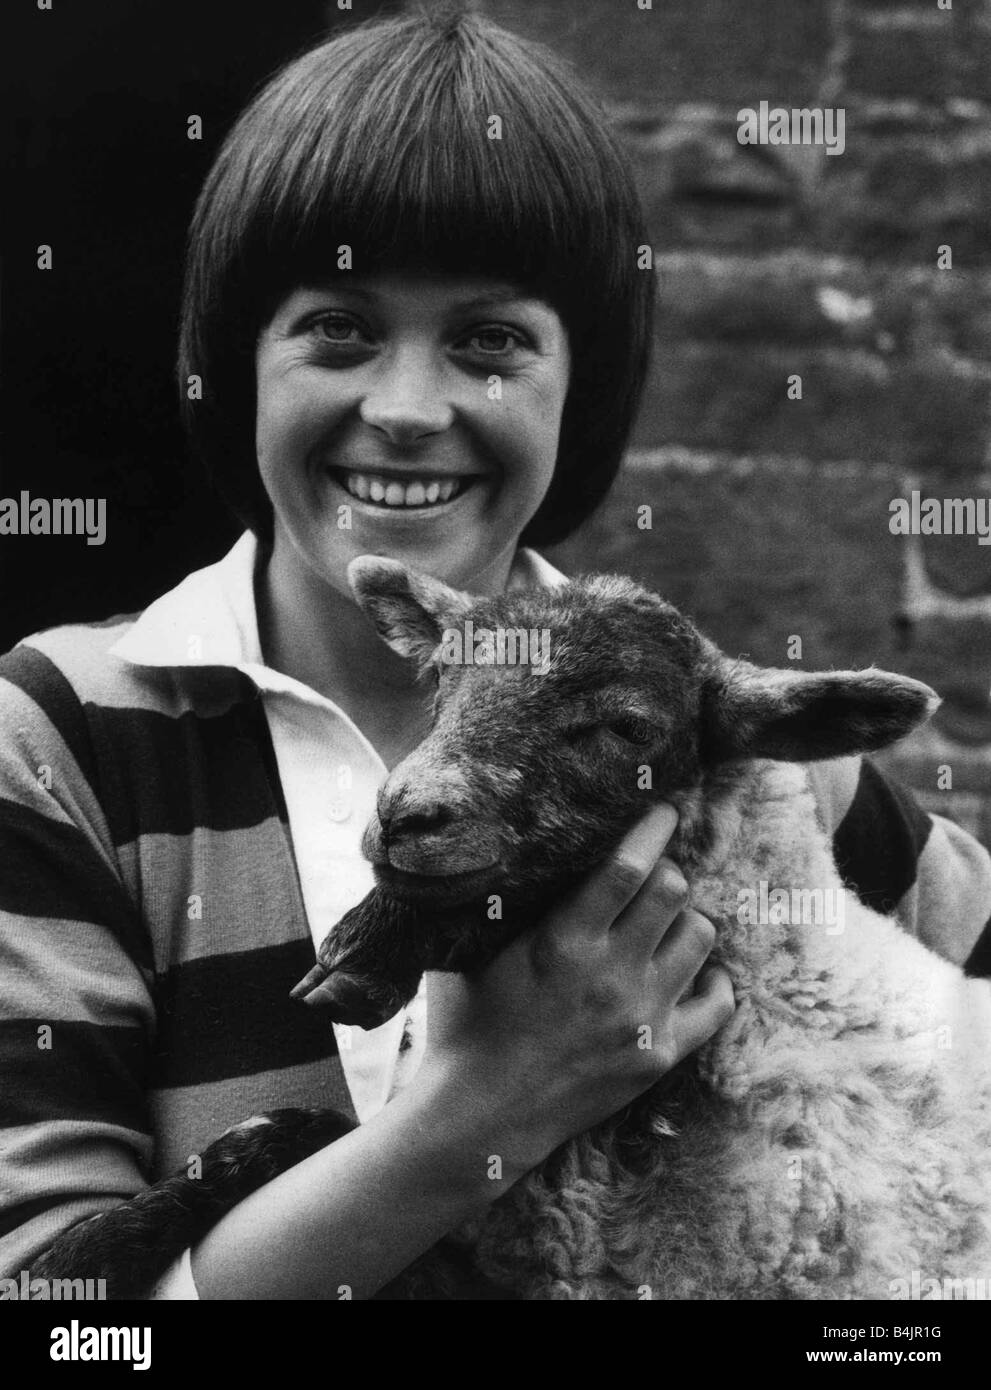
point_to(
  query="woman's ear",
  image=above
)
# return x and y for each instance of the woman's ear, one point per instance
(410, 610)
(791, 716)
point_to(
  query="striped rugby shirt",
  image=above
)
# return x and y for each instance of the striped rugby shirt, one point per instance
(176, 834)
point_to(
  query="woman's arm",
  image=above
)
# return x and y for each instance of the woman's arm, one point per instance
(76, 1014)
(77, 1021)
(902, 861)
(344, 1222)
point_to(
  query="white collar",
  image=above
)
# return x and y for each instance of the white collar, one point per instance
(210, 619)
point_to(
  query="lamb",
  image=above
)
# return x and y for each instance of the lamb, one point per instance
(829, 1142)
(831, 1139)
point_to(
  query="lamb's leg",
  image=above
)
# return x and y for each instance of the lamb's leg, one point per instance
(370, 965)
(131, 1245)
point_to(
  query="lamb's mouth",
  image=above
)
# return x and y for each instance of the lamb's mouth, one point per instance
(409, 493)
(437, 887)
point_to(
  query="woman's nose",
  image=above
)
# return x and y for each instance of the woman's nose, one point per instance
(406, 400)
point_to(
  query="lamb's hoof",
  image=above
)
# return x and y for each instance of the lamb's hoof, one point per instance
(344, 998)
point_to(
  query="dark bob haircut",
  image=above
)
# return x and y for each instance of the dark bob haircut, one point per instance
(379, 139)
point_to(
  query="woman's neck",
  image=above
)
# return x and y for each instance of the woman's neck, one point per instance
(315, 634)
(319, 636)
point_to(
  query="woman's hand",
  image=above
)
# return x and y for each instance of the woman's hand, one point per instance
(574, 1020)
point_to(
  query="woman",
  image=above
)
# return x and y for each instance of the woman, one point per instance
(413, 296)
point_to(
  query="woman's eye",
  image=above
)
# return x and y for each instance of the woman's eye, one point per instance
(493, 342)
(340, 332)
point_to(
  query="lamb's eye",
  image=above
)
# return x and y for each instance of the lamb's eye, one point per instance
(579, 733)
(631, 730)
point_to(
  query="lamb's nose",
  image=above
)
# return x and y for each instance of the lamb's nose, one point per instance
(412, 817)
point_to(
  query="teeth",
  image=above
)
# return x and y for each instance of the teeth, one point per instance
(396, 494)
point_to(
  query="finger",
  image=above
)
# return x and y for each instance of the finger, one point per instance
(683, 952)
(709, 1009)
(643, 923)
(595, 904)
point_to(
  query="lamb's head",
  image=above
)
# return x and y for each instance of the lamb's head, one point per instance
(546, 705)
(560, 714)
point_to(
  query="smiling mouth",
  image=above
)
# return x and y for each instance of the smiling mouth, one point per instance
(419, 493)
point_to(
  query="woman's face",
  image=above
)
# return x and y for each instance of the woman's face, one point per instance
(413, 416)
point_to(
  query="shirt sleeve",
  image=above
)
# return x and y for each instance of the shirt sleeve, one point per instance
(902, 861)
(76, 1012)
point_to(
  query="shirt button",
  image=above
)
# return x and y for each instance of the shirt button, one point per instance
(339, 808)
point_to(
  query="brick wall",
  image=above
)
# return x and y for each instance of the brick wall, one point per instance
(769, 515)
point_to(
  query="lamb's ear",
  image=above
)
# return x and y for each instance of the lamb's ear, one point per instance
(794, 716)
(409, 609)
